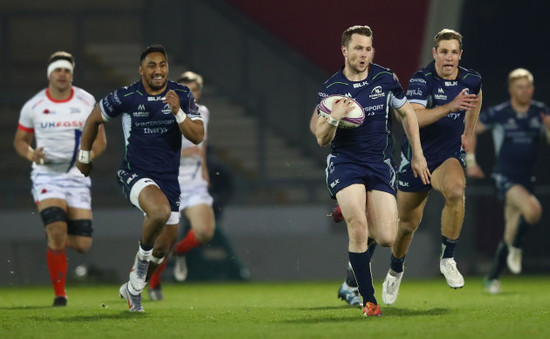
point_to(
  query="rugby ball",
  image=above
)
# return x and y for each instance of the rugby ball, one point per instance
(354, 119)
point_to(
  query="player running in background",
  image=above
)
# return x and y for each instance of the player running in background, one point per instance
(517, 126)
(360, 172)
(195, 201)
(55, 117)
(447, 101)
(155, 113)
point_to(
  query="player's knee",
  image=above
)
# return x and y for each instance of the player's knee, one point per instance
(82, 244)
(206, 233)
(534, 214)
(407, 226)
(454, 192)
(57, 238)
(53, 214)
(159, 214)
(160, 252)
(386, 241)
(81, 231)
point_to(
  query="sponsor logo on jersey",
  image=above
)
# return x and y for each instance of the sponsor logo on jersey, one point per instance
(156, 98)
(107, 105)
(155, 130)
(167, 109)
(421, 81)
(360, 84)
(115, 97)
(132, 177)
(46, 111)
(55, 124)
(348, 94)
(451, 83)
(377, 93)
(440, 97)
(75, 110)
(140, 113)
(374, 108)
(440, 90)
(414, 92)
(322, 94)
(453, 116)
(403, 183)
(334, 183)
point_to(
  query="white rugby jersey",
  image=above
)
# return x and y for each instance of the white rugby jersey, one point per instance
(190, 167)
(57, 126)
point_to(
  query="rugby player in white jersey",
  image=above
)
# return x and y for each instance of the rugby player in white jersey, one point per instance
(195, 201)
(54, 118)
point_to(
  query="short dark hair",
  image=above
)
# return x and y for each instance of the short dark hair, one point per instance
(61, 55)
(153, 49)
(358, 29)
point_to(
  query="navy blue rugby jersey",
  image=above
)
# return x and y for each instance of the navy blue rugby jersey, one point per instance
(442, 138)
(151, 133)
(380, 91)
(516, 137)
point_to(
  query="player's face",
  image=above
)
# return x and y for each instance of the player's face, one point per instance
(447, 56)
(154, 72)
(61, 79)
(359, 53)
(521, 90)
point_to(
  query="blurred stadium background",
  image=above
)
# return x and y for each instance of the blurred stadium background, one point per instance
(263, 62)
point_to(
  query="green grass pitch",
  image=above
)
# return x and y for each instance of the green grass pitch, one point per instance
(424, 309)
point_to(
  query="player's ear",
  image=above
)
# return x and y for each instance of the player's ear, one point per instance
(434, 52)
(344, 51)
(140, 70)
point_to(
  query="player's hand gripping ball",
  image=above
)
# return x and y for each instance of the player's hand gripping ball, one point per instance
(354, 119)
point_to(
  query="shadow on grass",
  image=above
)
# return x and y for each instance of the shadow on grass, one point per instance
(89, 317)
(386, 312)
(19, 308)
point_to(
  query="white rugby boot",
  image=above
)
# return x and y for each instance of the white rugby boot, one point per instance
(390, 287)
(447, 267)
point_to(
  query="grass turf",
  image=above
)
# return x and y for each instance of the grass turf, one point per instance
(424, 309)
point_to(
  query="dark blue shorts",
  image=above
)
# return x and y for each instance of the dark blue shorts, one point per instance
(504, 183)
(408, 183)
(132, 183)
(342, 172)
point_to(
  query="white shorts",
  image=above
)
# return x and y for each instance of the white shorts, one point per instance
(75, 190)
(192, 195)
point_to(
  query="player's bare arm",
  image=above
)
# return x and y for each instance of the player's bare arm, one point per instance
(313, 121)
(325, 132)
(407, 116)
(546, 122)
(192, 130)
(473, 170)
(427, 116)
(470, 121)
(100, 143)
(22, 144)
(89, 135)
